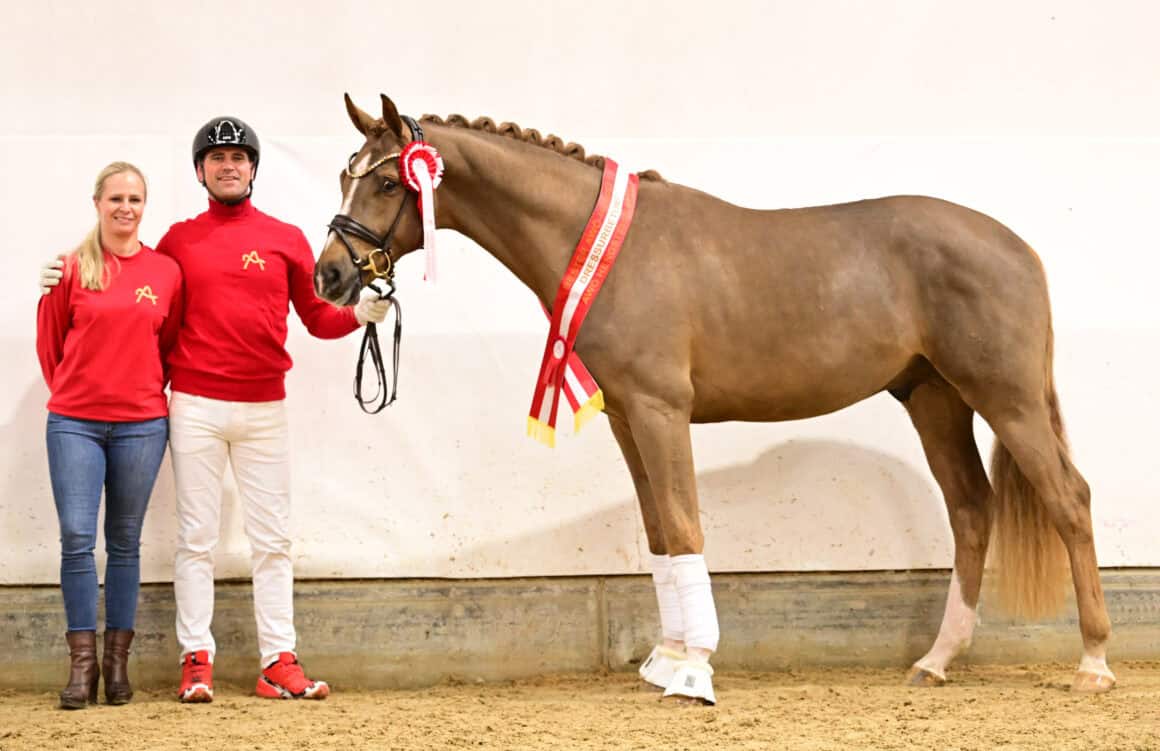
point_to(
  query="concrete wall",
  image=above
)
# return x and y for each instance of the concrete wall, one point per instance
(1042, 114)
(406, 633)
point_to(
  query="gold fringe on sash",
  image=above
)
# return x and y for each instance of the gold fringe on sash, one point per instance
(542, 432)
(588, 410)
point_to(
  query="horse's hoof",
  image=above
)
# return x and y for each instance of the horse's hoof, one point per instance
(1092, 683)
(923, 678)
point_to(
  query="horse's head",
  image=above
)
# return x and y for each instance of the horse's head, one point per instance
(379, 220)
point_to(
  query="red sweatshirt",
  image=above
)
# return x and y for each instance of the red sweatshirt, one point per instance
(101, 352)
(241, 271)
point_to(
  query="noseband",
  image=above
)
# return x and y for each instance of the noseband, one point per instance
(380, 264)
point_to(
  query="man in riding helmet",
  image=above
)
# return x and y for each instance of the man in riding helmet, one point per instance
(242, 270)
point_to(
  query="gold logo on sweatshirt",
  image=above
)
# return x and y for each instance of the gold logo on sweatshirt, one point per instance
(253, 257)
(146, 293)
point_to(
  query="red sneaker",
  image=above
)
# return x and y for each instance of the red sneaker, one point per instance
(196, 678)
(284, 679)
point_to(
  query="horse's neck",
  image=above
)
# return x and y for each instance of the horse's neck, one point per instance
(524, 204)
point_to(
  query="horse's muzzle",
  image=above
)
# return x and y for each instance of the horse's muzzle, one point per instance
(336, 280)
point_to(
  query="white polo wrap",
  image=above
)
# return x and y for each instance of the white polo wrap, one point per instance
(672, 622)
(691, 578)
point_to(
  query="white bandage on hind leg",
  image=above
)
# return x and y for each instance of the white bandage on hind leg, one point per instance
(672, 624)
(691, 578)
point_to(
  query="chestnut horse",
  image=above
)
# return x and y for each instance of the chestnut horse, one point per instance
(714, 312)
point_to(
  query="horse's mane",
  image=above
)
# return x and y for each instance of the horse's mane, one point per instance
(530, 135)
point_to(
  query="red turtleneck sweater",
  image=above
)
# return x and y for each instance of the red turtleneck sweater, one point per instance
(101, 352)
(241, 270)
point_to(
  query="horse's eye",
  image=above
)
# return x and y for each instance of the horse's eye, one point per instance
(389, 185)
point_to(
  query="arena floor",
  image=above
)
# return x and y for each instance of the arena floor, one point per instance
(986, 707)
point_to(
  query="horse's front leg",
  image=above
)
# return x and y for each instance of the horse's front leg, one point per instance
(663, 661)
(660, 432)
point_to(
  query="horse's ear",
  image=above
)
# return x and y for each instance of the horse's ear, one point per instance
(391, 116)
(362, 121)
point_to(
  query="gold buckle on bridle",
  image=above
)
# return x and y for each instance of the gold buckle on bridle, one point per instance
(369, 264)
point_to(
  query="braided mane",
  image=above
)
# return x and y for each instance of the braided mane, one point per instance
(529, 135)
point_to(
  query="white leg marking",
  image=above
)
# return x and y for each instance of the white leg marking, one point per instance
(954, 635)
(1095, 661)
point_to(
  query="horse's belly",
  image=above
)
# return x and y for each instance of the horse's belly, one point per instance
(764, 391)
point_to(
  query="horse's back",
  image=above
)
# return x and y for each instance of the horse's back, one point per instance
(789, 313)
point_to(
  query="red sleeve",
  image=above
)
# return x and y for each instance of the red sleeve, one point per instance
(53, 320)
(167, 337)
(322, 319)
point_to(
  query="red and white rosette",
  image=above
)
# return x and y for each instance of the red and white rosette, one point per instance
(422, 171)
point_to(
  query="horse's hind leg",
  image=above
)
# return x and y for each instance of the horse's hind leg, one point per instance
(661, 664)
(1033, 436)
(660, 430)
(944, 423)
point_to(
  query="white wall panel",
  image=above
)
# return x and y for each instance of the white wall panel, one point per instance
(1042, 114)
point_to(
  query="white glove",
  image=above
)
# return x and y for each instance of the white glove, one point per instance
(51, 274)
(371, 310)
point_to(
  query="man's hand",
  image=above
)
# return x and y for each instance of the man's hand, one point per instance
(51, 274)
(371, 310)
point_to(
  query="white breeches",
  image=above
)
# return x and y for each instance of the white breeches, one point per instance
(203, 433)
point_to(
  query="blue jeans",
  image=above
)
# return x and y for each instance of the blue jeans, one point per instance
(123, 458)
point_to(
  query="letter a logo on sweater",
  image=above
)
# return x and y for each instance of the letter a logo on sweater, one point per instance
(253, 257)
(146, 293)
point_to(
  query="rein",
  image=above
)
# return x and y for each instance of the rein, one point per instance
(380, 265)
(370, 345)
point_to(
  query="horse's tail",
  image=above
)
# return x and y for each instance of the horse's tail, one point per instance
(1030, 557)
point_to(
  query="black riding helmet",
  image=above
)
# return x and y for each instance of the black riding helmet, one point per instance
(226, 131)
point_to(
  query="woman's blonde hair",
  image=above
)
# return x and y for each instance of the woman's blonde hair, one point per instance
(90, 259)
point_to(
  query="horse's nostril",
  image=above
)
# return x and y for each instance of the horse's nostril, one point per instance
(327, 278)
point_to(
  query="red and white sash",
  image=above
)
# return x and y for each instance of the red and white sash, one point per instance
(561, 369)
(580, 389)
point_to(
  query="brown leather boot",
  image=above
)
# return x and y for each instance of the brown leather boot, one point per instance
(84, 674)
(115, 665)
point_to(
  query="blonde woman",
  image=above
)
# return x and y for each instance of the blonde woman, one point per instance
(102, 342)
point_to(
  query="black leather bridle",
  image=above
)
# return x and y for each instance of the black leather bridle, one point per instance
(381, 265)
